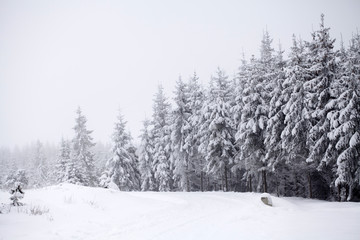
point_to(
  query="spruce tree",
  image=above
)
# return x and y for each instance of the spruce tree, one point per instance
(195, 103)
(146, 159)
(121, 169)
(180, 129)
(218, 129)
(161, 133)
(297, 125)
(61, 168)
(321, 58)
(81, 166)
(345, 124)
(274, 156)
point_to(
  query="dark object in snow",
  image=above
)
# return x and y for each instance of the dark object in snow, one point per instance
(16, 195)
(266, 199)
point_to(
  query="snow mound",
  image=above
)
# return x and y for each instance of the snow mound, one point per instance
(77, 212)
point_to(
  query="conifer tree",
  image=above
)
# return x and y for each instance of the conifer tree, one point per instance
(218, 129)
(161, 133)
(297, 125)
(194, 105)
(252, 128)
(180, 129)
(40, 170)
(121, 169)
(345, 124)
(62, 165)
(81, 167)
(274, 156)
(146, 159)
(321, 58)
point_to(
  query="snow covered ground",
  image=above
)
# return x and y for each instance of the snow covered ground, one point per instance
(76, 212)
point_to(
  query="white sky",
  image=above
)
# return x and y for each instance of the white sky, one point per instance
(105, 55)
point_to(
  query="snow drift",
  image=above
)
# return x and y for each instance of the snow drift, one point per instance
(75, 212)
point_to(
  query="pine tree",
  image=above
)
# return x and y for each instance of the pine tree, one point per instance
(345, 124)
(17, 177)
(251, 131)
(146, 159)
(237, 108)
(322, 72)
(121, 168)
(81, 166)
(40, 171)
(161, 165)
(62, 165)
(192, 141)
(275, 125)
(180, 129)
(297, 125)
(218, 129)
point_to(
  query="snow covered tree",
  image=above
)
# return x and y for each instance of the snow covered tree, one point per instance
(345, 124)
(275, 125)
(16, 194)
(121, 168)
(321, 58)
(146, 159)
(297, 125)
(40, 171)
(194, 105)
(18, 177)
(81, 167)
(63, 162)
(180, 129)
(161, 133)
(251, 131)
(218, 129)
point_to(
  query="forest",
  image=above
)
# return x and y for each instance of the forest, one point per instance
(286, 125)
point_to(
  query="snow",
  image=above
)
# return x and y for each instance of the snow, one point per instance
(77, 212)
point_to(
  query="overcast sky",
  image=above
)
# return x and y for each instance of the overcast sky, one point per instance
(106, 55)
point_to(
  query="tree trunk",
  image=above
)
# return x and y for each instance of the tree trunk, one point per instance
(310, 185)
(187, 183)
(225, 179)
(264, 181)
(350, 195)
(201, 181)
(250, 183)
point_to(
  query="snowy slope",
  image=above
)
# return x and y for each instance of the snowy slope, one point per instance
(76, 212)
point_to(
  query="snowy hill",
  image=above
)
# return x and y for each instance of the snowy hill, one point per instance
(76, 212)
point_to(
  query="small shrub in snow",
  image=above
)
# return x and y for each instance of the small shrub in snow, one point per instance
(68, 199)
(37, 210)
(16, 195)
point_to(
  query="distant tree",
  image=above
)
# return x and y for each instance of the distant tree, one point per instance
(161, 132)
(63, 162)
(18, 177)
(121, 167)
(40, 171)
(82, 169)
(146, 159)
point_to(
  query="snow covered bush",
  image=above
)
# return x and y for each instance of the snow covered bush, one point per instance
(16, 195)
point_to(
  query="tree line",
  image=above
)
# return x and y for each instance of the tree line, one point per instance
(288, 126)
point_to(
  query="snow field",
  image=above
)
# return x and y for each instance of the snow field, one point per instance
(77, 212)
